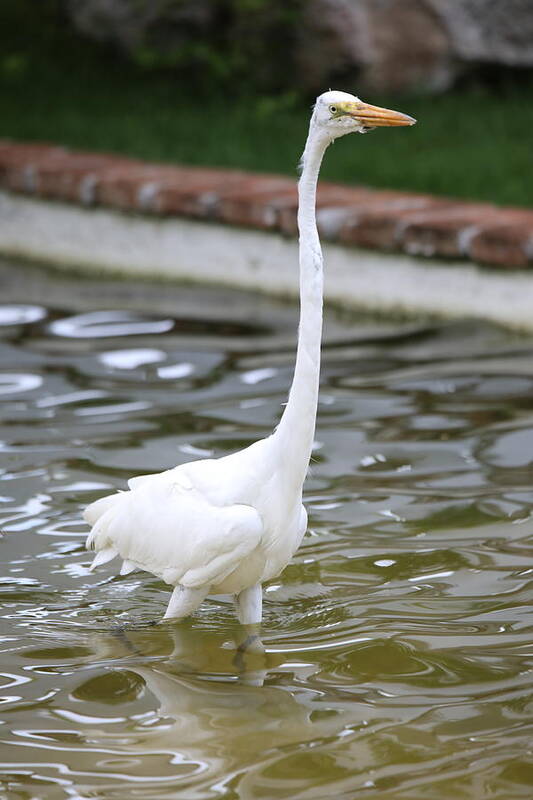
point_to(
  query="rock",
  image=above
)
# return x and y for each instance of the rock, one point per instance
(489, 31)
(374, 44)
(413, 44)
(409, 47)
(332, 41)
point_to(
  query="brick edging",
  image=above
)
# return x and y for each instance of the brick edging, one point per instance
(406, 222)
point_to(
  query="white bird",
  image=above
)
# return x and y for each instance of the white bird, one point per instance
(226, 525)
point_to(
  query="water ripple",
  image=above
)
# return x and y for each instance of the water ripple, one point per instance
(397, 658)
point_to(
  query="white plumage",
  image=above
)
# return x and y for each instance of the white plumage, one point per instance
(224, 526)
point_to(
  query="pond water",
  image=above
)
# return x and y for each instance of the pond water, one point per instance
(398, 659)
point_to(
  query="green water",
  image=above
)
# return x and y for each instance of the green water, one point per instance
(398, 658)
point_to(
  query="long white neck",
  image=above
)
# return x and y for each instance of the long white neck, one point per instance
(297, 426)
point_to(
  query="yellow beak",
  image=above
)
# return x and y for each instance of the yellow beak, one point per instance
(374, 116)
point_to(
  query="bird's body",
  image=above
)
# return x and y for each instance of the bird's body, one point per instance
(236, 507)
(224, 526)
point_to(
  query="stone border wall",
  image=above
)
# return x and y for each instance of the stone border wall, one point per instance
(405, 222)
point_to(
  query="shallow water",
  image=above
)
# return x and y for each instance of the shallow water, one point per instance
(398, 658)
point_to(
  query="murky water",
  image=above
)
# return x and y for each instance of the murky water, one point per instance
(398, 661)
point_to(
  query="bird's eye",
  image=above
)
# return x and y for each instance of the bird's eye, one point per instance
(333, 109)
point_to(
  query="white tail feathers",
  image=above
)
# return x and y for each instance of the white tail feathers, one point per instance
(102, 557)
(93, 512)
(127, 567)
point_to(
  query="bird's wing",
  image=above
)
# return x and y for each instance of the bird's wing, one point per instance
(175, 532)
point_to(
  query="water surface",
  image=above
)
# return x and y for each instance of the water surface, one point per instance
(398, 658)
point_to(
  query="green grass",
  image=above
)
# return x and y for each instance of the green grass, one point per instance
(474, 143)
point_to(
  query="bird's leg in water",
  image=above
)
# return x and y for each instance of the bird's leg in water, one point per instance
(251, 648)
(184, 601)
(250, 658)
(249, 605)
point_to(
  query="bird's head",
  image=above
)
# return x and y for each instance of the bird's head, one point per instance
(338, 113)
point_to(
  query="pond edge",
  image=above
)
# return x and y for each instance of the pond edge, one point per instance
(103, 240)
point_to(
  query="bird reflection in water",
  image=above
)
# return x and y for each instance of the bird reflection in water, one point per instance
(249, 659)
(224, 717)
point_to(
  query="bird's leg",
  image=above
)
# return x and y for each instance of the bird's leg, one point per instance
(249, 605)
(184, 601)
(250, 661)
(251, 648)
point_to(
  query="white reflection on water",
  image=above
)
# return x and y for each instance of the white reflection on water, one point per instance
(21, 314)
(98, 324)
(131, 358)
(12, 383)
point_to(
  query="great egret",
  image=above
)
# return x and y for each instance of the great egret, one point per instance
(224, 526)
